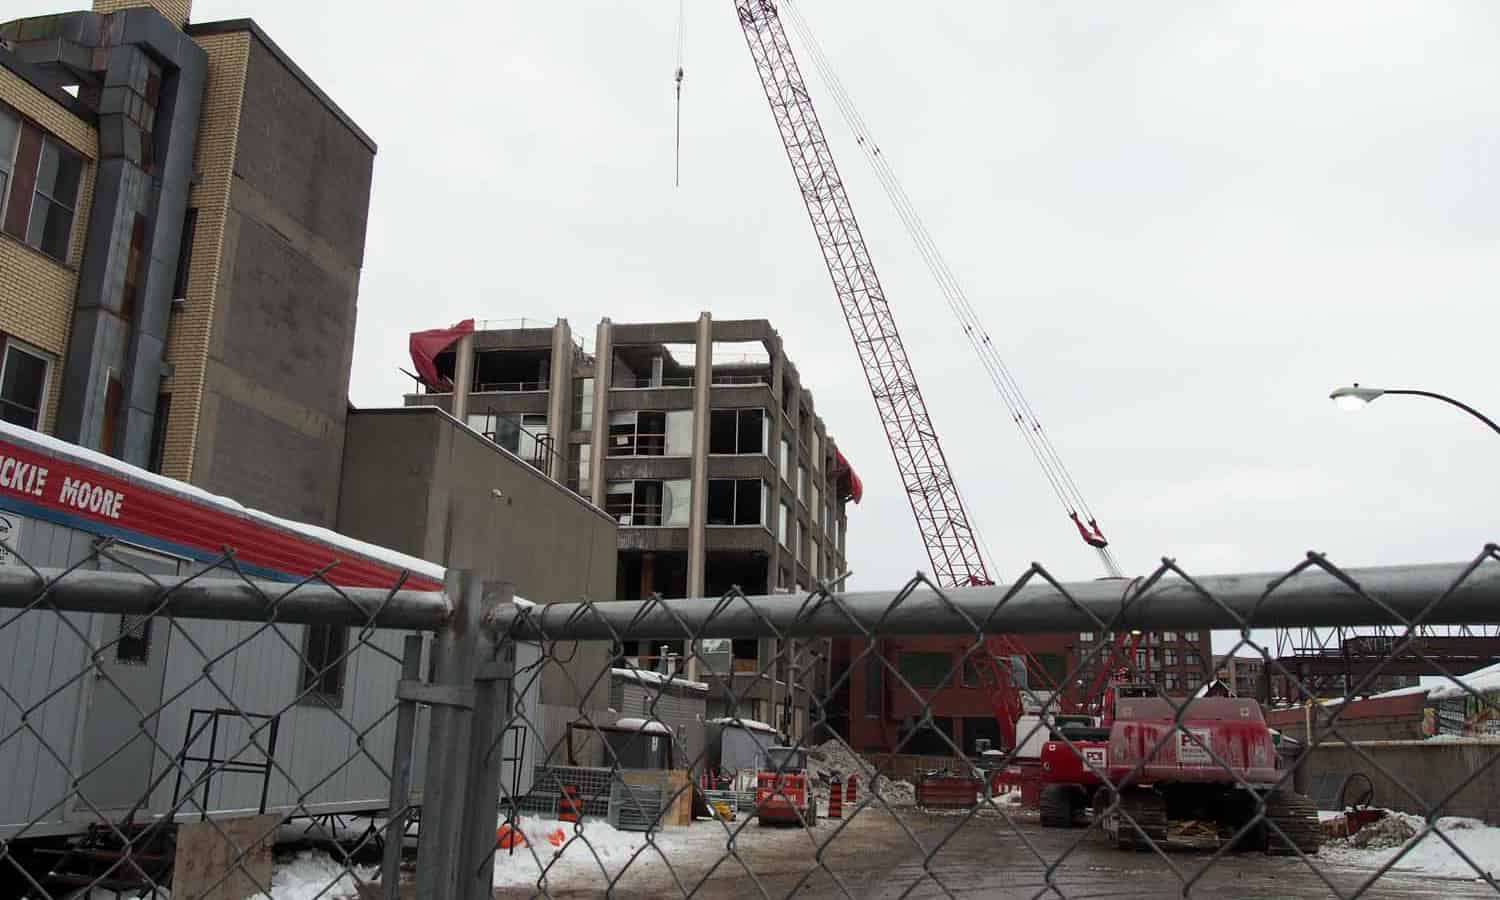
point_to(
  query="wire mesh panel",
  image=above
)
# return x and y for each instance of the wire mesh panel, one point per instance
(1104, 777)
(171, 726)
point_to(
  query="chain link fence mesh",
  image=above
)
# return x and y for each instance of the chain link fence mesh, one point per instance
(284, 745)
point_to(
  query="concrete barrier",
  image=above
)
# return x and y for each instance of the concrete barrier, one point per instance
(1411, 775)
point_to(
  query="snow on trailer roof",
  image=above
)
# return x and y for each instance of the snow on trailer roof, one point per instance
(651, 677)
(750, 724)
(641, 725)
(47, 499)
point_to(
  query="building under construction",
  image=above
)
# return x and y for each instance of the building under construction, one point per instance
(703, 444)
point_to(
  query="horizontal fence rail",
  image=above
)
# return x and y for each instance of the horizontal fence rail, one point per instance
(1311, 595)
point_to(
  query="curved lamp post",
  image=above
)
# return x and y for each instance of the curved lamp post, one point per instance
(1356, 397)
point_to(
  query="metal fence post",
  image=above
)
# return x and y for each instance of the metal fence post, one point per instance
(451, 694)
(400, 808)
(491, 713)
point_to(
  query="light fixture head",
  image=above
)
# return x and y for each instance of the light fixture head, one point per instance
(1354, 396)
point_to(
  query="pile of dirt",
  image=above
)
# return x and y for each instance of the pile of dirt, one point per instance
(831, 756)
(1392, 831)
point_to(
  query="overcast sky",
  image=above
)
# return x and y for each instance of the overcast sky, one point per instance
(1183, 223)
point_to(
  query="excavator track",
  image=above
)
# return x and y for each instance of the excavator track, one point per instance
(1146, 809)
(1297, 817)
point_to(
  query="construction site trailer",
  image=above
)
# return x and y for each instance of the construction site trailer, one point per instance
(58, 503)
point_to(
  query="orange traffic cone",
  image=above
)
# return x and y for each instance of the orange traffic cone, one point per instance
(835, 798)
(568, 808)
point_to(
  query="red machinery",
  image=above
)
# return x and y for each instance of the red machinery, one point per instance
(783, 792)
(1213, 768)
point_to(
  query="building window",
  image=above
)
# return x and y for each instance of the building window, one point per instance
(736, 501)
(1172, 681)
(51, 224)
(1194, 680)
(813, 503)
(524, 434)
(812, 452)
(323, 662)
(651, 433)
(1193, 659)
(580, 468)
(923, 669)
(159, 433)
(583, 404)
(1169, 656)
(874, 685)
(1190, 636)
(134, 645)
(185, 255)
(1168, 636)
(783, 524)
(10, 132)
(802, 483)
(23, 385)
(649, 503)
(737, 431)
(1085, 637)
(786, 459)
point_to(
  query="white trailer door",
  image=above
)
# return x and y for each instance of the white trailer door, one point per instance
(118, 757)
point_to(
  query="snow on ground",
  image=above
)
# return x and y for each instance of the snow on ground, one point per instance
(598, 852)
(311, 874)
(1428, 854)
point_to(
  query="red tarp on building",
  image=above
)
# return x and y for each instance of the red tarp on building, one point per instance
(850, 487)
(425, 347)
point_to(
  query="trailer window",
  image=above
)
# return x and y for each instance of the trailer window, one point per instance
(323, 663)
(134, 646)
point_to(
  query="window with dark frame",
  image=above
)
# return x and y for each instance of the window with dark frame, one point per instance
(23, 385)
(159, 433)
(874, 686)
(323, 663)
(10, 131)
(134, 645)
(50, 227)
(735, 501)
(185, 254)
(924, 668)
(737, 431)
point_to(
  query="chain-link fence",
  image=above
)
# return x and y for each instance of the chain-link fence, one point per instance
(202, 733)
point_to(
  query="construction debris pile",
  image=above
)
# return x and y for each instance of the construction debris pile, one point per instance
(832, 756)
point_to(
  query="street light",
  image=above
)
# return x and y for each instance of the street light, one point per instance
(1356, 397)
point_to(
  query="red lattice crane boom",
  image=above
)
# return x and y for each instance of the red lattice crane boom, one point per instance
(935, 502)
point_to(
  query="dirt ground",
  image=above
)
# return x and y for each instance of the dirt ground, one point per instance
(873, 856)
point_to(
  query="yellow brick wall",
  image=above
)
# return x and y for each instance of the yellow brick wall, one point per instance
(176, 10)
(36, 291)
(192, 326)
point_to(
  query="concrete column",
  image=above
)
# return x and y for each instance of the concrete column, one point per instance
(698, 518)
(604, 370)
(463, 377)
(560, 398)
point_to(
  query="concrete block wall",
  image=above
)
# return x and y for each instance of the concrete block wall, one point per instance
(1431, 768)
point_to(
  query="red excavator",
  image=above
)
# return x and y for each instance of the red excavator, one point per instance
(1205, 774)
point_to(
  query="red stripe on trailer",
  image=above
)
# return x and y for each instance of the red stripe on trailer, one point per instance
(68, 488)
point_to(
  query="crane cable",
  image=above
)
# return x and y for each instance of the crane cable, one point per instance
(677, 79)
(1063, 485)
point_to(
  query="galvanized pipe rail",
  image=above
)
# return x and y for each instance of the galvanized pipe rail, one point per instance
(1309, 597)
(220, 597)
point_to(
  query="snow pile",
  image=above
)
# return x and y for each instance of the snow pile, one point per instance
(581, 854)
(308, 875)
(833, 756)
(1479, 681)
(1429, 854)
(312, 875)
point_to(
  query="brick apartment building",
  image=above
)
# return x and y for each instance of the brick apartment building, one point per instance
(698, 438)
